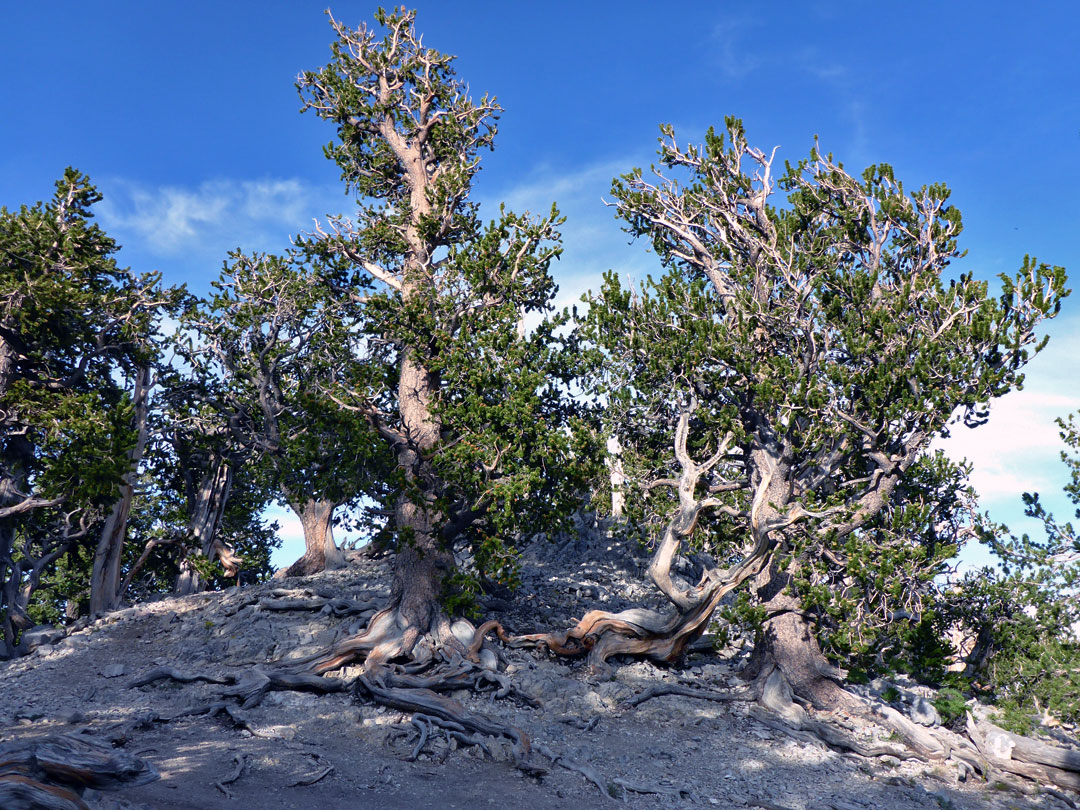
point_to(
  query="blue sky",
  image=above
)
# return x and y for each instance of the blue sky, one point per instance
(186, 117)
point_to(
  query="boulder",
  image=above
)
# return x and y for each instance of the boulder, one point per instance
(41, 635)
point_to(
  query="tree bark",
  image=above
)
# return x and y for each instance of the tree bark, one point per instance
(13, 483)
(787, 646)
(422, 561)
(423, 558)
(206, 514)
(105, 593)
(321, 552)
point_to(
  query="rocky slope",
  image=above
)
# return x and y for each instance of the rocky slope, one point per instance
(334, 751)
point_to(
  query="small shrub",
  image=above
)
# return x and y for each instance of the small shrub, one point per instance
(951, 705)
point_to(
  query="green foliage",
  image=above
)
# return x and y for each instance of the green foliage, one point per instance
(1020, 618)
(951, 705)
(274, 350)
(473, 408)
(459, 594)
(821, 342)
(1015, 718)
(73, 329)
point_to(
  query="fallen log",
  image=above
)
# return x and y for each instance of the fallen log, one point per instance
(50, 773)
(1020, 756)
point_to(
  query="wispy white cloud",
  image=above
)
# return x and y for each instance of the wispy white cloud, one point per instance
(1018, 449)
(733, 55)
(593, 241)
(213, 217)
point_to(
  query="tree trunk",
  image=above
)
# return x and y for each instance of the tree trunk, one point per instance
(422, 561)
(617, 476)
(206, 514)
(105, 591)
(7, 593)
(321, 552)
(423, 558)
(787, 646)
(18, 455)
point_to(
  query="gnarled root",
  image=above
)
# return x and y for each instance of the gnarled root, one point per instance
(388, 636)
(601, 635)
(404, 668)
(431, 704)
(991, 751)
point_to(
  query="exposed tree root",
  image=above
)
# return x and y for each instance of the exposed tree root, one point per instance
(998, 755)
(160, 673)
(576, 767)
(388, 636)
(599, 635)
(241, 762)
(403, 687)
(21, 793)
(426, 725)
(334, 606)
(431, 704)
(688, 691)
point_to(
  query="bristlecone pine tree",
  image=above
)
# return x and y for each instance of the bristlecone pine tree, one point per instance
(274, 333)
(469, 404)
(72, 326)
(776, 389)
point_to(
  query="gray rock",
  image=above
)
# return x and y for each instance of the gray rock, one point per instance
(113, 671)
(41, 635)
(924, 713)
(463, 631)
(74, 642)
(488, 660)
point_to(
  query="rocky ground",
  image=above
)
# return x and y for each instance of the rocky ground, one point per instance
(331, 751)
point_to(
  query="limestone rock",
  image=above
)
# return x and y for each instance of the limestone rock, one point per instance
(924, 713)
(41, 635)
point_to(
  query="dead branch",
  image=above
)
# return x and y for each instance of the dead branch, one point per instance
(688, 691)
(160, 673)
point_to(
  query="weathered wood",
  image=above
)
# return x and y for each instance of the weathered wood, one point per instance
(429, 703)
(48, 770)
(687, 691)
(339, 607)
(1040, 753)
(105, 580)
(19, 793)
(160, 673)
(1000, 748)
